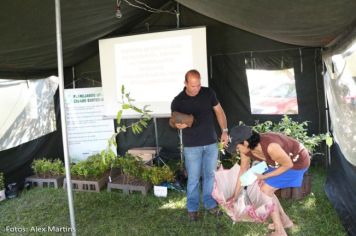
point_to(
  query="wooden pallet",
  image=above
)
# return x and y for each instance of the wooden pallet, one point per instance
(51, 182)
(130, 186)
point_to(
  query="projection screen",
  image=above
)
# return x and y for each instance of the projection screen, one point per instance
(151, 66)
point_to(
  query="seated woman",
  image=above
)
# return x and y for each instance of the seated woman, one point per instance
(287, 159)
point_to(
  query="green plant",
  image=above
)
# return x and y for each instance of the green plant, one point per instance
(131, 167)
(2, 181)
(92, 167)
(296, 130)
(220, 153)
(45, 167)
(139, 215)
(136, 127)
(158, 174)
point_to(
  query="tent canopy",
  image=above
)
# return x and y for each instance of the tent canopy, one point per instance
(28, 41)
(307, 23)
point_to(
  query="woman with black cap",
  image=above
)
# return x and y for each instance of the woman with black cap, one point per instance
(286, 158)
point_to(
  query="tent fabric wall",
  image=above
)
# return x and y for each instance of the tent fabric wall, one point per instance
(28, 110)
(15, 163)
(316, 23)
(340, 188)
(230, 82)
(340, 85)
(167, 137)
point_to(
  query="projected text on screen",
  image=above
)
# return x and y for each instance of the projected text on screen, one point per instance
(151, 67)
(159, 62)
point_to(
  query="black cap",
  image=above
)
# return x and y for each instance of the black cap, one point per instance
(237, 135)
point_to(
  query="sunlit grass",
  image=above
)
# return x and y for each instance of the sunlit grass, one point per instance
(115, 213)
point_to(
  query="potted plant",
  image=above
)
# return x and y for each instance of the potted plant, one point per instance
(47, 173)
(45, 168)
(90, 169)
(160, 174)
(134, 175)
(90, 174)
(131, 167)
(2, 187)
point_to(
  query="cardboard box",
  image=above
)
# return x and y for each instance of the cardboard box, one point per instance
(147, 154)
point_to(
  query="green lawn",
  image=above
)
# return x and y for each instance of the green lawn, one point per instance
(119, 214)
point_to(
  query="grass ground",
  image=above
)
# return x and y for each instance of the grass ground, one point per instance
(115, 213)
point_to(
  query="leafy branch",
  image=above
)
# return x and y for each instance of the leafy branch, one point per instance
(294, 129)
(136, 127)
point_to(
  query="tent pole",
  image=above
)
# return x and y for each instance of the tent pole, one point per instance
(328, 154)
(327, 124)
(159, 159)
(63, 117)
(178, 16)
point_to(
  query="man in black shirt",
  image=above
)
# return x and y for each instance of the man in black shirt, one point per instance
(200, 140)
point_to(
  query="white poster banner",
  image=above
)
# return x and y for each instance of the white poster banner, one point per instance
(88, 132)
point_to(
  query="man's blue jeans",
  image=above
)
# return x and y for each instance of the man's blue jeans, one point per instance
(200, 161)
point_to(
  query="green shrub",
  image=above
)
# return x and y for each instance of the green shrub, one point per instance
(133, 167)
(296, 130)
(91, 168)
(158, 174)
(45, 168)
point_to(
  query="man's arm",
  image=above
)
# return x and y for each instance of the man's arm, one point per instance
(220, 116)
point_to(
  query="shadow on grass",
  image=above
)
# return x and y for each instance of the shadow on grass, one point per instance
(314, 215)
(115, 213)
